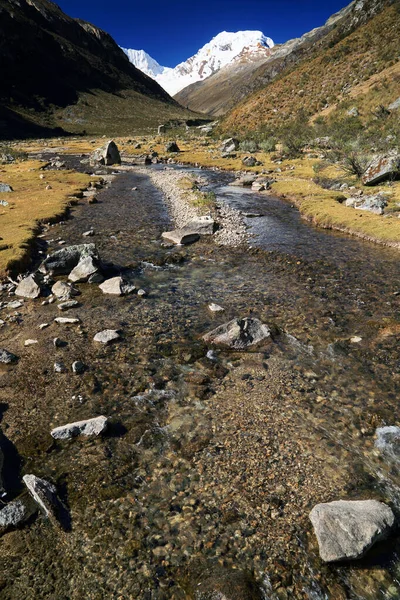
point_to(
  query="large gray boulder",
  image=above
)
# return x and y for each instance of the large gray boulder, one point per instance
(172, 147)
(89, 427)
(181, 236)
(346, 530)
(373, 203)
(28, 288)
(239, 334)
(6, 357)
(381, 169)
(16, 513)
(106, 155)
(85, 269)
(64, 260)
(229, 145)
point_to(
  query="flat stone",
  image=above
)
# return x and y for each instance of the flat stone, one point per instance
(180, 236)
(28, 288)
(107, 336)
(44, 325)
(15, 304)
(90, 427)
(64, 260)
(84, 270)
(67, 305)
(30, 342)
(112, 286)
(239, 334)
(346, 530)
(64, 291)
(89, 233)
(4, 187)
(202, 225)
(67, 320)
(6, 357)
(215, 308)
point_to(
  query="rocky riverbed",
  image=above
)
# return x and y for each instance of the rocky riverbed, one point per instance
(212, 458)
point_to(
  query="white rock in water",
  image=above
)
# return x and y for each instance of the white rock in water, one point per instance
(67, 305)
(346, 530)
(67, 320)
(84, 269)
(30, 342)
(44, 325)
(107, 336)
(44, 494)
(202, 225)
(215, 307)
(28, 288)
(90, 427)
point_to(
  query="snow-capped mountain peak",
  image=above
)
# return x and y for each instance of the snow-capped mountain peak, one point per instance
(223, 49)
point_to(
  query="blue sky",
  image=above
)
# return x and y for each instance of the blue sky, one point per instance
(171, 31)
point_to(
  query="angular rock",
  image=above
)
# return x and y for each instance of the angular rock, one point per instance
(6, 357)
(249, 161)
(229, 145)
(106, 155)
(44, 494)
(395, 105)
(346, 530)
(172, 147)
(215, 308)
(28, 287)
(382, 169)
(107, 336)
(4, 187)
(117, 286)
(90, 427)
(64, 291)
(239, 334)
(64, 260)
(59, 367)
(202, 225)
(30, 342)
(375, 204)
(96, 278)
(15, 513)
(181, 236)
(67, 320)
(84, 270)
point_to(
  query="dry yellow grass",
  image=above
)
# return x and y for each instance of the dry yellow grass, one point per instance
(29, 204)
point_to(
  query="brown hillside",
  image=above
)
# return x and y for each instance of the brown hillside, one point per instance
(322, 81)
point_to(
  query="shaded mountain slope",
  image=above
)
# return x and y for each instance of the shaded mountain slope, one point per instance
(363, 45)
(49, 61)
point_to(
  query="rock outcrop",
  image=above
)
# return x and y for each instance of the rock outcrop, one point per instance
(64, 260)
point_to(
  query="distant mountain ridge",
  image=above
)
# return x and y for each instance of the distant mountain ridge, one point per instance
(224, 49)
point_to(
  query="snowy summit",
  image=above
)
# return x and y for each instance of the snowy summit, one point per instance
(223, 49)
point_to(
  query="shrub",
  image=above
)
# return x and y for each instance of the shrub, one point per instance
(248, 146)
(268, 145)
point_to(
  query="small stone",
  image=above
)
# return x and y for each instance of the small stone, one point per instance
(48, 187)
(67, 321)
(90, 427)
(83, 270)
(44, 325)
(64, 291)
(356, 339)
(59, 367)
(6, 357)
(96, 278)
(142, 293)
(89, 233)
(181, 237)
(67, 305)
(30, 342)
(58, 343)
(78, 367)
(44, 494)
(107, 336)
(15, 304)
(16, 512)
(215, 308)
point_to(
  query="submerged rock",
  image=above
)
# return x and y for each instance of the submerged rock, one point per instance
(7, 357)
(90, 427)
(64, 260)
(239, 334)
(67, 320)
(107, 336)
(28, 287)
(16, 513)
(228, 584)
(346, 530)
(388, 442)
(106, 155)
(181, 236)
